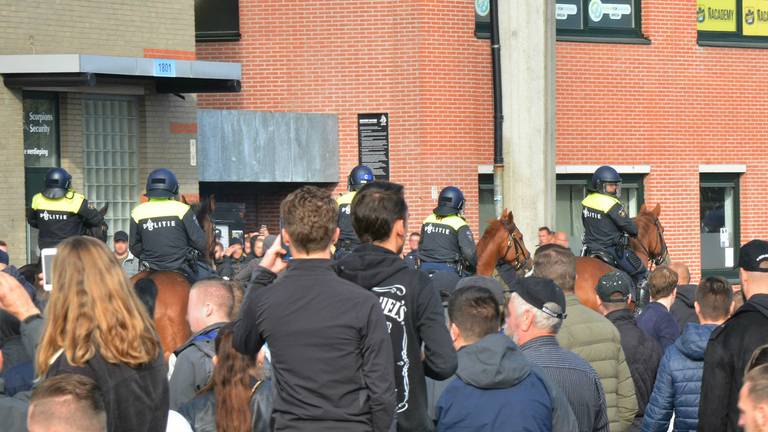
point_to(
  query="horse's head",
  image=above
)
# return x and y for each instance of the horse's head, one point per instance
(650, 235)
(502, 241)
(204, 214)
(100, 232)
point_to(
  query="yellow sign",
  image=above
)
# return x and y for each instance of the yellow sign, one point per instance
(755, 17)
(716, 15)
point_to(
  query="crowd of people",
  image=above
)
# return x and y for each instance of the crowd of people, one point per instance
(288, 333)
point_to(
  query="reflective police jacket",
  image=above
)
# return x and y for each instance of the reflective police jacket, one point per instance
(605, 219)
(447, 240)
(346, 231)
(165, 234)
(59, 219)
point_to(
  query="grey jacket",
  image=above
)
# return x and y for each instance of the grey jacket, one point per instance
(130, 264)
(194, 365)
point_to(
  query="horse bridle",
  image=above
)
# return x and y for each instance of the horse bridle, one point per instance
(513, 242)
(664, 251)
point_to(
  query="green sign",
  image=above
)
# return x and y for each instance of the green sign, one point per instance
(41, 130)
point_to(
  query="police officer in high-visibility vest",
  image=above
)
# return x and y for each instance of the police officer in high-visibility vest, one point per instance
(164, 233)
(59, 212)
(607, 223)
(446, 239)
(348, 240)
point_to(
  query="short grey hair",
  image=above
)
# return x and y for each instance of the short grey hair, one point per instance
(541, 320)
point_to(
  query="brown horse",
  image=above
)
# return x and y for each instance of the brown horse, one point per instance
(502, 243)
(649, 245)
(170, 306)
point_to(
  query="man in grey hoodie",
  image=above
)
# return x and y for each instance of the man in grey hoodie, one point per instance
(496, 387)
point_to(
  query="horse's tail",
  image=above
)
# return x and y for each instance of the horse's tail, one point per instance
(147, 291)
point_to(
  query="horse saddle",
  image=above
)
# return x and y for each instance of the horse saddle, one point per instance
(604, 257)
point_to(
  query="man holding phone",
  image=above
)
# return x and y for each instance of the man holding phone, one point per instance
(331, 355)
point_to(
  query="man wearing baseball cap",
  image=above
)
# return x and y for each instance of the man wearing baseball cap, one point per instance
(732, 344)
(642, 352)
(535, 311)
(124, 256)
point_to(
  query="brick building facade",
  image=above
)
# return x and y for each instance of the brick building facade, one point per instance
(671, 113)
(112, 123)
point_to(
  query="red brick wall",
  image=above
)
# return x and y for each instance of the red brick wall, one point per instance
(672, 105)
(416, 60)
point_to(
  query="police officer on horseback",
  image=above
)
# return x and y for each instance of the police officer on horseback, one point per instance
(165, 234)
(348, 240)
(59, 212)
(607, 225)
(446, 239)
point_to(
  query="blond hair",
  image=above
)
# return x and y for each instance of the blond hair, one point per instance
(93, 309)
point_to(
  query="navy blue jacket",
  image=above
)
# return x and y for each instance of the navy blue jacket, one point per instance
(495, 389)
(678, 382)
(658, 323)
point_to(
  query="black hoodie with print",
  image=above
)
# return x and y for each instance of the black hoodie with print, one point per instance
(414, 317)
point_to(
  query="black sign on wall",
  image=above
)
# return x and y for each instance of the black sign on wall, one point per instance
(611, 14)
(483, 19)
(41, 130)
(373, 143)
(568, 14)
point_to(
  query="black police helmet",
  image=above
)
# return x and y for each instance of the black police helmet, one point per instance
(359, 176)
(602, 176)
(57, 183)
(162, 183)
(450, 201)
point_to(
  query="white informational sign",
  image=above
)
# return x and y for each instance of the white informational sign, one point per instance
(728, 257)
(724, 238)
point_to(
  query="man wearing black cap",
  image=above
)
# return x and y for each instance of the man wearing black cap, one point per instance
(126, 259)
(535, 312)
(731, 345)
(642, 352)
(234, 259)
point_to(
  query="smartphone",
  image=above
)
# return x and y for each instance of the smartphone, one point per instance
(46, 258)
(284, 245)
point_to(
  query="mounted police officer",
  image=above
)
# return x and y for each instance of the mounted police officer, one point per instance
(446, 239)
(348, 240)
(607, 225)
(59, 212)
(165, 234)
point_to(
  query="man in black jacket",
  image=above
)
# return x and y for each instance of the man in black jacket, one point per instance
(411, 307)
(331, 354)
(682, 308)
(731, 345)
(642, 352)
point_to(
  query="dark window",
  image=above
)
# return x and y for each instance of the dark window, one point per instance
(485, 200)
(217, 20)
(732, 22)
(571, 190)
(616, 21)
(719, 217)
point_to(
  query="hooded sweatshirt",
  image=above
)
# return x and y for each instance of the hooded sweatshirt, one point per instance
(495, 389)
(414, 317)
(682, 308)
(678, 382)
(728, 352)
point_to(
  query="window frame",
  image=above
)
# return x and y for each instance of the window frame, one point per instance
(724, 180)
(230, 35)
(732, 39)
(605, 35)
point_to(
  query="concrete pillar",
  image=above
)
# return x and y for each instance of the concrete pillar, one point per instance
(527, 36)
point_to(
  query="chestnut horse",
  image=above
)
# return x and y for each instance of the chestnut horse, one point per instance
(170, 306)
(502, 243)
(649, 245)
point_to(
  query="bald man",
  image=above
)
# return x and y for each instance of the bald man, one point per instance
(682, 309)
(67, 403)
(210, 306)
(560, 238)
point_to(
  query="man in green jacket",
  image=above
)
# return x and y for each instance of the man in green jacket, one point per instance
(591, 336)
